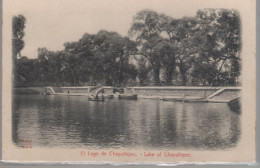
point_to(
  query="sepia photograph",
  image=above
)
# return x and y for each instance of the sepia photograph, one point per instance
(130, 80)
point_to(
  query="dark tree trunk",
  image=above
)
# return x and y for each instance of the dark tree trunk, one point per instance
(156, 75)
(183, 74)
(169, 72)
(121, 78)
(141, 82)
(183, 79)
(108, 81)
(72, 79)
(170, 69)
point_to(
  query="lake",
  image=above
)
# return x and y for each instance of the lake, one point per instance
(74, 122)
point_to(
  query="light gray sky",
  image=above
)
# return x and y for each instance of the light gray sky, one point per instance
(51, 23)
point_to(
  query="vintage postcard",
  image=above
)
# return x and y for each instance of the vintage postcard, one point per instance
(129, 81)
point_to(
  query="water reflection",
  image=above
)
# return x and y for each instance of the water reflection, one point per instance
(75, 122)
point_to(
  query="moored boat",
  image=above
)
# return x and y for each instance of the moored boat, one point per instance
(185, 99)
(95, 99)
(128, 96)
(109, 97)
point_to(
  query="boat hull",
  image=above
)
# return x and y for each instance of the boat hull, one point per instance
(130, 97)
(99, 100)
(109, 97)
(186, 99)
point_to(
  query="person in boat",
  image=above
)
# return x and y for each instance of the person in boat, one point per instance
(96, 97)
(103, 97)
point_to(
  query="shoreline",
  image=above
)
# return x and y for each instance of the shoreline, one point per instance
(168, 93)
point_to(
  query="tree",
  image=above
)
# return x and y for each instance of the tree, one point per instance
(77, 53)
(112, 52)
(155, 35)
(169, 27)
(18, 25)
(143, 69)
(180, 33)
(146, 30)
(103, 58)
(166, 51)
(28, 71)
(44, 66)
(221, 49)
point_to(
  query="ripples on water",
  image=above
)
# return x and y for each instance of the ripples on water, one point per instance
(72, 122)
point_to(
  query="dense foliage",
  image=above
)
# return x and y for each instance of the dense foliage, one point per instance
(18, 25)
(200, 50)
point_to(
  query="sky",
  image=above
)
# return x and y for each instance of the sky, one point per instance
(51, 23)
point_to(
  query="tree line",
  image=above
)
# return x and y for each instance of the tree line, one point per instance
(159, 50)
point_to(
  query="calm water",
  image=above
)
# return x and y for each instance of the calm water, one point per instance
(70, 122)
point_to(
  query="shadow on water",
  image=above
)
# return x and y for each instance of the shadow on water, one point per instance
(72, 122)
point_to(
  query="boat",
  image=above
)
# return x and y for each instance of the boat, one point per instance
(95, 99)
(128, 96)
(109, 97)
(185, 99)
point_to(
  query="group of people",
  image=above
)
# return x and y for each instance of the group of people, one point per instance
(96, 96)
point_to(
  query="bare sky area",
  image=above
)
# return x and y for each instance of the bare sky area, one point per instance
(51, 23)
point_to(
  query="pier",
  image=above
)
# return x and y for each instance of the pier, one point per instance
(174, 93)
